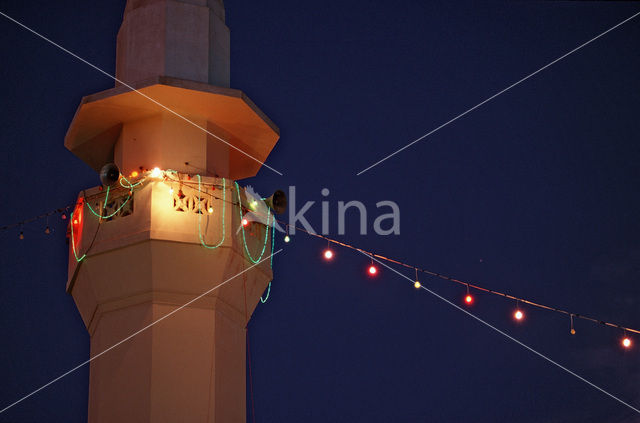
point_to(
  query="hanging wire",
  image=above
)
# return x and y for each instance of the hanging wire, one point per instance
(572, 331)
(372, 255)
(21, 223)
(473, 286)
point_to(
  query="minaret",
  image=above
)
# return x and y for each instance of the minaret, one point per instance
(169, 229)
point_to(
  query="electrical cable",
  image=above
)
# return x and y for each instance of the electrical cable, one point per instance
(467, 284)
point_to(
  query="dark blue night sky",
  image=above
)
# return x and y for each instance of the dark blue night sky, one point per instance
(535, 193)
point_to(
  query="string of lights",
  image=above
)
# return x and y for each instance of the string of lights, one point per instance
(62, 211)
(518, 314)
(328, 254)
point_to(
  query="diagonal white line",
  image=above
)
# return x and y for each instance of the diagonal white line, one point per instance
(489, 325)
(496, 94)
(133, 89)
(134, 334)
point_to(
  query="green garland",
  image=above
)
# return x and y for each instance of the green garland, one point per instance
(73, 242)
(224, 201)
(244, 239)
(106, 198)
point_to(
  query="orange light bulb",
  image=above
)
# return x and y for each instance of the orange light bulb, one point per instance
(328, 254)
(519, 315)
(468, 299)
(626, 342)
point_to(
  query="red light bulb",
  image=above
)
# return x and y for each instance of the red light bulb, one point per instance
(468, 299)
(245, 222)
(373, 270)
(328, 254)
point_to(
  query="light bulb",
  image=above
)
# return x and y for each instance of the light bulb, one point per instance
(156, 172)
(134, 173)
(287, 238)
(468, 299)
(328, 254)
(519, 315)
(417, 285)
(372, 270)
(626, 342)
(47, 230)
(245, 222)
(210, 209)
(21, 235)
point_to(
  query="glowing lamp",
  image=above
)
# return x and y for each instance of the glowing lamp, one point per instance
(626, 342)
(519, 315)
(468, 299)
(373, 270)
(156, 172)
(328, 254)
(245, 222)
(75, 221)
(134, 173)
(417, 285)
(210, 209)
(287, 238)
(573, 331)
